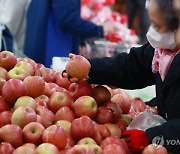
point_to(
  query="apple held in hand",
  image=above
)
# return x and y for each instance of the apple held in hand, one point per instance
(47, 148)
(32, 133)
(78, 67)
(85, 106)
(55, 135)
(65, 113)
(59, 100)
(13, 89)
(6, 148)
(12, 134)
(5, 117)
(77, 90)
(35, 86)
(7, 60)
(23, 115)
(82, 127)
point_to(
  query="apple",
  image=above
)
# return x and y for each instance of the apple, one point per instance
(5, 117)
(77, 90)
(3, 73)
(102, 132)
(122, 125)
(24, 150)
(82, 127)
(6, 148)
(25, 101)
(87, 140)
(55, 135)
(47, 148)
(32, 133)
(7, 60)
(114, 129)
(62, 81)
(59, 100)
(13, 89)
(64, 151)
(86, 149)
(2, 82)
(23, 115)
(56, 89)
(64, 124)
(78, 67)
(17, 73)
(127, 118)
(12, 134)
(85, 106)
(112, 140)
(70, 142)
(47, 117)
(38, 66)
(114, 107)
(65, 113)
(26, 66)
(42, 100)
(101, 94)
(139, 103)
(4, 106)
(123, 101)
(29, 60)
(128, 151)
(35, 85)
(46, 73)
(31, 145)
(104, 115)
(113, 149)
(155, 149)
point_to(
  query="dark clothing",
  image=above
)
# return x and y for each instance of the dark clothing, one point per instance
(67, 15)
(133, 71)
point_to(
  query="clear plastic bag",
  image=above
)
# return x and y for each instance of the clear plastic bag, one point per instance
(145, 120)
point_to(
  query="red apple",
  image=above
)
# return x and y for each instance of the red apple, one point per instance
(31, 145)
(128, 151)
(112, 140)
(23, 115)
(64, 151)
(25, 101)
(65, 113)
(87, 140)
(62, 81)
(123, 101)
(30, 61)
(7, 60)
(13, 89)
(82, 127)
(59, 100)
(85, 106)
(38, 66)
(5, 117)
(102, 132)
(114, 129)
(155, 149)
(32, 133)
(114, 149)
(47, 117)
(47, 148)
(24, 150)
(26, 66)
(12, 134)
(2, 82)
(122, 125)
(6, 148)
(4, 106)
(42, 100)
(77, 90)
(35, 85)
(3, 73)
(104, 115)
(114, 107)
(56, 89)
(64, 124)
(55, 135)
(139, 103)
(70, 142)
(101, 94)
(78, 67)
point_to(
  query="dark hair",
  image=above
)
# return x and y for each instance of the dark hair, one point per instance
(170, 15)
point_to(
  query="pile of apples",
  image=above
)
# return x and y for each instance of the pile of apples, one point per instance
(42, 112)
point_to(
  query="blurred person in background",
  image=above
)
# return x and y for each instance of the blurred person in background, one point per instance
(177, 7)
(13, 15)
(134, 6)
(54, 29)
(154, 63)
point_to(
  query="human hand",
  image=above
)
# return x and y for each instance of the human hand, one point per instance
(136, 140)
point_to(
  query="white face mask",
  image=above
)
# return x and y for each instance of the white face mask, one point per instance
(161, 41)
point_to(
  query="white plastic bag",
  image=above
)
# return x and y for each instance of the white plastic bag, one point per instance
(59, 63)
(145, 120)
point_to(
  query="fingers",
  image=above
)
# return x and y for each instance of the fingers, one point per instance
(71, 55)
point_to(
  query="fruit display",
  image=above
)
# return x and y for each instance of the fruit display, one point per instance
(42, 112)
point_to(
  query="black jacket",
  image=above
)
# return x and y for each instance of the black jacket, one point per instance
(133, 71)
